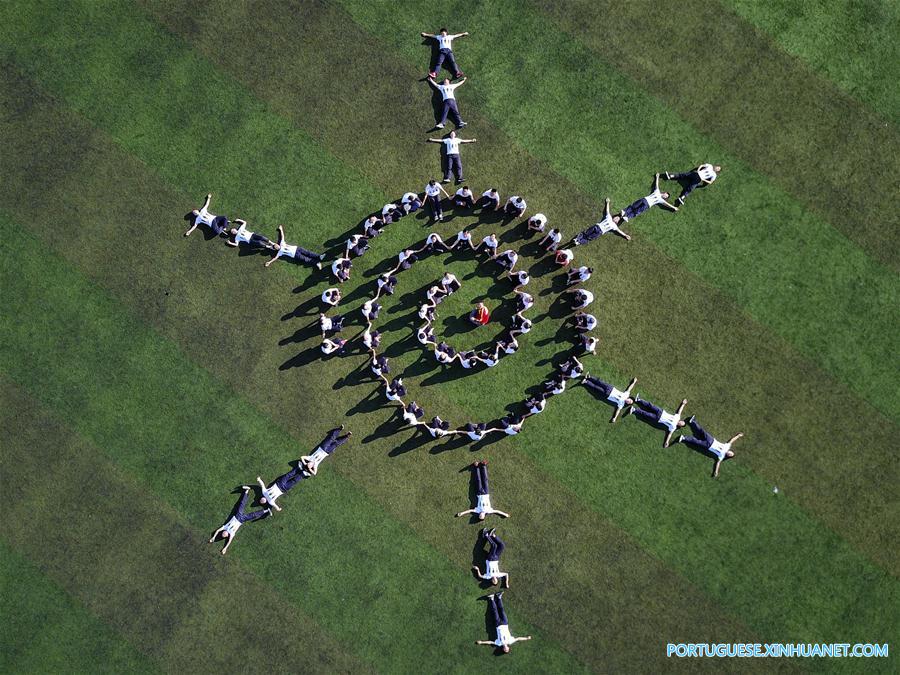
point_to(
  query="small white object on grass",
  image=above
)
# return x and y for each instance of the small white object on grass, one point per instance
(775, 490)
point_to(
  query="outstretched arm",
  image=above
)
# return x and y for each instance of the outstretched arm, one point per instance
(606, 209)
(192, 227)
(667, 439)
(434, 140)
(432, 82)
(716, 468)
(484, 642)
(227, 544)
(216, 534)
(631, 385)
(461, 82)
(681, 407)
(464, 513)
(446, 194)
(206, 203)
(735, 437)
(468, 140)
(616, 415)
(670, 207)
(502, 514)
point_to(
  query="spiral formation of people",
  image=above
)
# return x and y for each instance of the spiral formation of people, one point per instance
(554, 255)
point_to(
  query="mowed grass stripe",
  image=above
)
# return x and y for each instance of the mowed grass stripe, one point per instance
(45, 630)
(788, 268)
(645, 602)
(732, 393)
(638, 583)
(733, 83)
(853, 44)
(332, 554)
(128, 559)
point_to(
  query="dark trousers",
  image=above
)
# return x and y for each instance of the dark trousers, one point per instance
(464, 202)
(599, 385)
(454, 166)
(488, 203)
(259, 241)
(496, 549)
(513, 212)
(246, 517)
(646, 411)
(333, 443)
(495, 604)
(308, 256)
(695, 182)
(481, 480)
(445, 58)
(437, 210)
(587, 235)
(449, 108)
(219, 224)
(636, 209)
(701, 438)
(288, 480)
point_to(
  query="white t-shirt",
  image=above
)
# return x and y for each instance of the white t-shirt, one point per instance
(464, 362)
(327, 296)
(518, 202)
(492, 568)
(490, 361)
(272, 493)
(522, 277)
(329, 346)
(513, 429)
(409, 418)
(452, 145)
(423, 336)
(526, 326)
(337, 265)
(618, 397)
(718, 448)
(707, 172)
(655, 197)
(447, 90)
(403, 255)
(583, 273)
(408, 197)
(242, 236)
(527, 301)
(484, 504)
(387, 208)
(490, 195)
(205, 217)
(554, 236)
(287, 250)
(607, 224)
(316, 458)
(669, 420)
(511, 348)
(433, 238)
(325, 323)
(475, 435)
(464, 192)
(232, 526)
(585, 298)
(591, 345)
(463, 235)
(510, 255)
(444, 41)
(537, 407)
(449, 278)
(432, 190)
(504, 637)
(565, 256)
(590, 321)
(491, 241)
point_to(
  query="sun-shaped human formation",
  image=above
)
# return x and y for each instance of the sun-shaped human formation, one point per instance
(504, 264)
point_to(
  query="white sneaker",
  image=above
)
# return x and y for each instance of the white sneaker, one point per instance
(438, 126)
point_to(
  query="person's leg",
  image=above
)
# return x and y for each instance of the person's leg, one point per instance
(445, 108)
(479, 486)
(241, 505)
(648, 417)
(484, 479)
(288, 480)
(451, 63)
(256, 515)
(497, 547)
(331, 435)
(456, 164)
(454, 113)
(688, 189)
(492, 552)
(492, 606)
(501, 613)
(596, 383)
(442, 54)
(649, 407)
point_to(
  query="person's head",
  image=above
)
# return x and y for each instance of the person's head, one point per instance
(495, 580)
(717, 168)
(432, 182)
(276, 247)
(665, 195)
(629, 401)
(226, 534)
(481, 516)
(263, 501)
(466, 188)
(452, 134)
(443, 31)
(506, 649)
(446, 80)
(679, 424)
(193, 214)
(493, 191)
(233, 231)
(590, 270)
(729, 454)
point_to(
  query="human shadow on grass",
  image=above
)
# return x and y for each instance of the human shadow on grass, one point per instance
(308, 332)
(304, 309)
(419, 438)
(545, 265)
(559, 284)
(304, 358)
(452, 443)
(362, 374)
(373, 401)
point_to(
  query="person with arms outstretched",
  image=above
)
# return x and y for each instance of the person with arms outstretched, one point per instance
(703, 440)
(238, 518)
(610, 223)
(653, 414)
(448, 107)
(702, 176)
(454, 163)
(483, 506)
(501, 624)
(617, 397)
(492, 561)
(294, 252)
(445, 51)
(656, 197)
(331, 443)
(216, 224)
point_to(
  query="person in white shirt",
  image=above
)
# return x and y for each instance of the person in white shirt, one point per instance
(584, 322)
(536, 404)
(512, 424)
(340, 268)
(571, 368)
(450, 283)
(551, 240)
(356, 245)
(510, 345)
(464, 199)
(704, 441)
(280, 485)
(241, 235)
(331, 296)
(655, 415)
(524, 301)
(537, 222)
(490, 244)
(445, 52)
(371, 339)
(386, 284)
(434, 242)
(492, 561)
(483, 506)
(515, 207)
(579, 275)
(410, 202)
(451, 149)
(293, 252)
(438, 428)
(487, 358)
(617, 397)
(331, 325)
(507, 260)
(372, 226)
(580, 298)
(425, 335)
(519, 324)
(449, 102)
(588, 343)
(433, 195)
(610, 223)
(333, 440)
(330, 346)
(644, 203)
(475, 431)
(490, 199)
(702, 176)
(412, 413)
(463, 237)
(238, 518)
(216, 224)
(370, 310)
(520, 278)
(501, 624)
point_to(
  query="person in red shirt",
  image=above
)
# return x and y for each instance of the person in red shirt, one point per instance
(480, 315)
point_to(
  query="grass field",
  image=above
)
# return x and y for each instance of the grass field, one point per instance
(144, 376)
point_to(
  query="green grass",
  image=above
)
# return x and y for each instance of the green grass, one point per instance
(146, 375)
